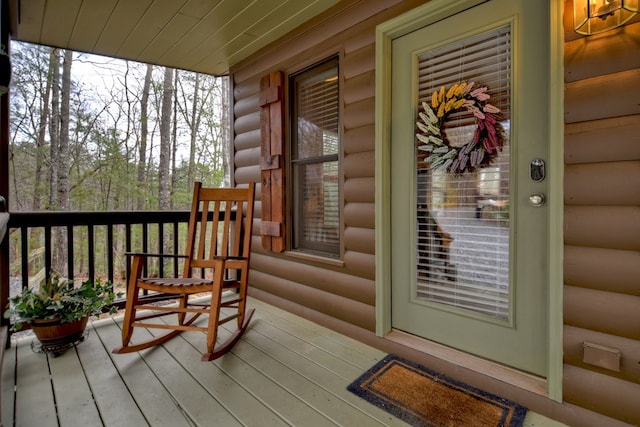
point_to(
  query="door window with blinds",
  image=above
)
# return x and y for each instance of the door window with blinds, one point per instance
(463, 218)
(315, 147)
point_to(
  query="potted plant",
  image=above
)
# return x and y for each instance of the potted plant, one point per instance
(58, 312)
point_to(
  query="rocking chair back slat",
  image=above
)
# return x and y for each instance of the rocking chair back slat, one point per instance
(218, 230)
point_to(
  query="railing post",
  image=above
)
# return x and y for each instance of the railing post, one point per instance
(4, 276)
(4, 165)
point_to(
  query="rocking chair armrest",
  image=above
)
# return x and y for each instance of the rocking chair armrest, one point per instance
(154, 255)
(236, 258)
(230, 258)
(233, 262)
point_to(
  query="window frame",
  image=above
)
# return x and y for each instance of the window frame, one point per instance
(295, 183)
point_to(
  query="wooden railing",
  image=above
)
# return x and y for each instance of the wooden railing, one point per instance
(151, 228)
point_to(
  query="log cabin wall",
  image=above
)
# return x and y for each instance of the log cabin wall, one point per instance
(602, 221)
(602, 196)
(326, 290)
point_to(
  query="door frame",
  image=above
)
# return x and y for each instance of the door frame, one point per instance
(419, 17)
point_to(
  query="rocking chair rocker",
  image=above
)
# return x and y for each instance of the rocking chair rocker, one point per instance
(216, 260)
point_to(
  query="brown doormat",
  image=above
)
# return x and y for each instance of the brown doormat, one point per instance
(422, 397)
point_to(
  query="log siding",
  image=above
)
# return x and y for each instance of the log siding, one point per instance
(601, 214)
(602, 219)
(344, 290)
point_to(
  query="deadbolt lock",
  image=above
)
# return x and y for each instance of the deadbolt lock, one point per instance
(537, 170)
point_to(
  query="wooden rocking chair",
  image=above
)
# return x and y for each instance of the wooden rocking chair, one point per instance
(216, 260)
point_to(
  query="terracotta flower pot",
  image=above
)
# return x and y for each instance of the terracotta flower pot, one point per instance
(53, 334)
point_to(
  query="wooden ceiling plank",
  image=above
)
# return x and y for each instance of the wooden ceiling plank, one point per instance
(154, 20)
(59, 22)
(168, 38)
(199, 9)
(218, 53)
(189, 16)
(235, 27)
(271, 31)
(121, 23)
(92, 18)
(209, 26)
(199, 35)
(30, 25)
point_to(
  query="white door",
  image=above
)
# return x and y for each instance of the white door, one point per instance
(469, 238)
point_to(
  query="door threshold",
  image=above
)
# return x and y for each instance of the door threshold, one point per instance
(477, 364)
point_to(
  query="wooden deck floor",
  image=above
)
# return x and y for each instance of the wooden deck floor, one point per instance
(284, 371)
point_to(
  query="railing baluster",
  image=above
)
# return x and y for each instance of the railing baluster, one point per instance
(127, 244)
(176, 248)
(24, 253)
(109, 249)
(161, 249)
(145, 246)
(70, 263)
(47, 253)
(92, 252)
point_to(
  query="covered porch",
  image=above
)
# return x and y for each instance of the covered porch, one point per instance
(287, 370)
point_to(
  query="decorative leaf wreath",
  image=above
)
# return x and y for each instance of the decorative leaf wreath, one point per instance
(432, 141)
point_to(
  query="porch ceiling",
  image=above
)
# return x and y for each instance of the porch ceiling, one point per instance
(207, 36)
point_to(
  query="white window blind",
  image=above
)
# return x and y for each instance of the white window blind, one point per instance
(315, 160)
(463, 219)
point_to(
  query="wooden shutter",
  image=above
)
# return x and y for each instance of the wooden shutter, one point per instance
(272, 162)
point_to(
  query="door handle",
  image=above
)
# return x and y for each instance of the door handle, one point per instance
(536, 199)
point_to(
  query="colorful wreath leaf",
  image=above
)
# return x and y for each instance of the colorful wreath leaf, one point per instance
(487, 139)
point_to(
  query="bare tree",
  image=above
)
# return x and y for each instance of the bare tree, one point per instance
(193, 134)
(174, 139)
(225, 132)
(40, 142)
(63, 154)
(54, 127)
(144, 131)
(164, 180)
(60, 244)
(200, 107)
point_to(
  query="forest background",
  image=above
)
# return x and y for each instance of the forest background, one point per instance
(91, 133)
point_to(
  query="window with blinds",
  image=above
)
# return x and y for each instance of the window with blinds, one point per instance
(463, 219)
(315, 147)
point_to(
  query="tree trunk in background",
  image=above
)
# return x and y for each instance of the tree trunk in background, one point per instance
(164, 180)
(54, 127)
(194, 133)
(144, 131)
(225, 134)
(60, 245)
(40, 142)
(63, 154)
(174, 140)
